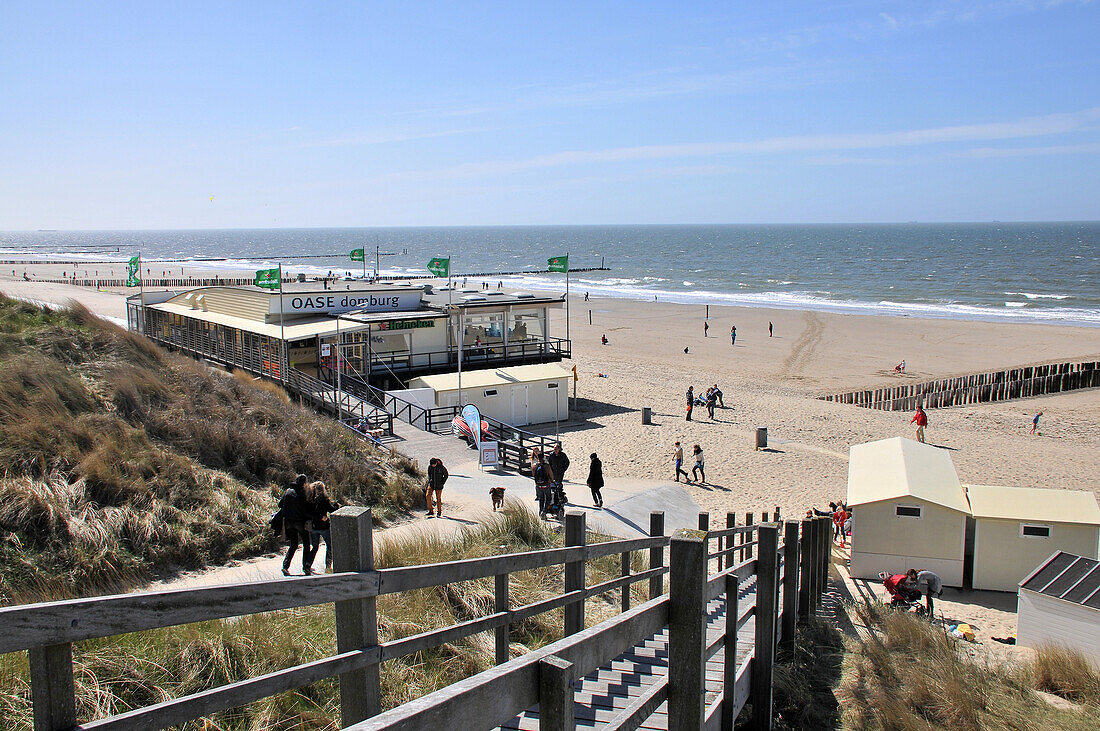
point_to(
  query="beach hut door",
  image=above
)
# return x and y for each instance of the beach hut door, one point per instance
(519, 406)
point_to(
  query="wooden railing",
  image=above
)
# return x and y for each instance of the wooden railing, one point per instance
(790, 578)
(977, 388)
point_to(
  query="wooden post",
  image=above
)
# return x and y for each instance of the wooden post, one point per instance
(790, 584)
(356, 619)
(656, 555)
(826, 556)
(52, 689)
(575, 535)
(687, 637)
(626, 572)
(747, 553)
(729, 670)
(704, 526)
(502, 633)
(731, 522)
(767, 590)
(775, 515)
(804, 572)
(556, 695)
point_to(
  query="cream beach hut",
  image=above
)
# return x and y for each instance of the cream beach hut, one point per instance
(1059, 604)
(519, 395)
(909, 510)
(1016, 528)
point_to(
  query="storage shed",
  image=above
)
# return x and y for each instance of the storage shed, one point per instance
(909, 510)
(519, 395)
(1015, 528)
(1059, 604)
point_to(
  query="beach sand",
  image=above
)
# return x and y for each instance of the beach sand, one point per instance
(775, 382)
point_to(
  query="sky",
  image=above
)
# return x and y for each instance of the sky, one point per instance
(316, 114)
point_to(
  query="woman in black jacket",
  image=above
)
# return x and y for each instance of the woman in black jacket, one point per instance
(320, 505)
(295, 512)
(595, 480)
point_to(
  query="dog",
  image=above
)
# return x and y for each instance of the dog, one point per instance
(497, 494)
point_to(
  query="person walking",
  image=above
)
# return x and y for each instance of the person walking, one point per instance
(595, 480)
(678, 462)
(437, 477)
(712, 401)
(718, 395)
(320, 505)
(559, 463)
(699, 467)
(733, 335)
(295, 516)
(1035, 423)
(921, 420)
(769, 329)
(690, 401)
(706, 328)
(840, 517)
(542, 476)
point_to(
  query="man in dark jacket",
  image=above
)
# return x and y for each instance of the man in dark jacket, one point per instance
(559, 463)
(437, 476)
(295, 512)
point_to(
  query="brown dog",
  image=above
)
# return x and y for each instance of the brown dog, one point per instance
(497, 494)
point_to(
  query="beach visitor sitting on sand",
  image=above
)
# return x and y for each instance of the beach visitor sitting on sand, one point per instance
(900, 367)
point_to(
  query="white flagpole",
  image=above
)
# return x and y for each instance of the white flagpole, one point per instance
(566, 304)
(141, 296)
(282, 330)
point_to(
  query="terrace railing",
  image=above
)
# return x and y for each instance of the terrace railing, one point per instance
(789, 576)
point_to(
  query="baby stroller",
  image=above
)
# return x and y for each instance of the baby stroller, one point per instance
(902, 595)
(558, 501)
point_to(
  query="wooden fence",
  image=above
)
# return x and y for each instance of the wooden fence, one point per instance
(790, 562)
(978, 388)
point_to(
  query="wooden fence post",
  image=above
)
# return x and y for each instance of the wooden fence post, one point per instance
(767, 591)
(556, 695)
(356, 619)
(687, 637)
(747, 553)
(575, 535)
(790, 584)
(657, 554)
(704, 526)
(731, 522)
(729, 670)
(626, 572)
(826, 556)
(52, 689)
(502, 633)
(805, 561)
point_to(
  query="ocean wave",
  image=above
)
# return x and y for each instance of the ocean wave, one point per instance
(1033, 296)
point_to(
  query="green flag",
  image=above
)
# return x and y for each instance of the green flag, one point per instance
(357, 254)
(267, 278)
(558, 263)
(133, 272)
(440, 267)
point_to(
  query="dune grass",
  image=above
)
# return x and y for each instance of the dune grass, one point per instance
(129, 671)
(908, 674)
(119, 460)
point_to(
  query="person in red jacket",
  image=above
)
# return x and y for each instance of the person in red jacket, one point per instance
(921, 420)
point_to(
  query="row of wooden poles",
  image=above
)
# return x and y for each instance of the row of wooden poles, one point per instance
(1003, 385)
(159, 281)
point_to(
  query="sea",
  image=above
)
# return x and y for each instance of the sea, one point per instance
(1014, 272)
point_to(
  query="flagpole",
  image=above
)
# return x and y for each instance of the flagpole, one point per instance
(282, 330)
(141, 296)
(566, 310)
(461, 337)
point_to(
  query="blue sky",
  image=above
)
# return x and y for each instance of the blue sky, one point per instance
(269, 114)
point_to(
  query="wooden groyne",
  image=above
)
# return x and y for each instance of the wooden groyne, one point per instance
(1014, 383)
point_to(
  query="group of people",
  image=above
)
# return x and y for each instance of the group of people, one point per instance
(698, 471)
(712, 399)
(841, 515)
(548, 473)
(908, 587)
(305, 507)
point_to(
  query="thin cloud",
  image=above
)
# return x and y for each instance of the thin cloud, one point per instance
(1031, 127)
(389, 136)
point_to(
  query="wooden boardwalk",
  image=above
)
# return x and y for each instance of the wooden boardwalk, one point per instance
(603, 694)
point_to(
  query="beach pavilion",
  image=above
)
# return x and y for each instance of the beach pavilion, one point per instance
(1016, 528)
(909, 510)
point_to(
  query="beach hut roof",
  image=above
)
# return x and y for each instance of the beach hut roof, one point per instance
(1069, 577)
(494, 377)
(896, 468)
(1029, 503)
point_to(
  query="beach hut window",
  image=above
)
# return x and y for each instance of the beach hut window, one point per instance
(551, 385)
(490, 392)
(1031, 530)
(907, 511)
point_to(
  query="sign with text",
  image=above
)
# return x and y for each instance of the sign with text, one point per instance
(405, 324)
(324, 303)
(490, 454)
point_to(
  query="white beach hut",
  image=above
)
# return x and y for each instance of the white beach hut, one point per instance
(1059, 604)
(909, 510)
(518, 395)
(1015, 528)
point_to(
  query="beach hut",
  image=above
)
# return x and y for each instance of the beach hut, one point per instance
(909, 510)
(1015, 528)
(1059, 604)
(519, 395)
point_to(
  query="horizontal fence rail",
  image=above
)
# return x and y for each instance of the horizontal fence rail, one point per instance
(787, 575)
(1003, 385)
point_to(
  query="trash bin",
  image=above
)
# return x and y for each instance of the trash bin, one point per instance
(647, 415)
(302, 278)
(761, 437)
